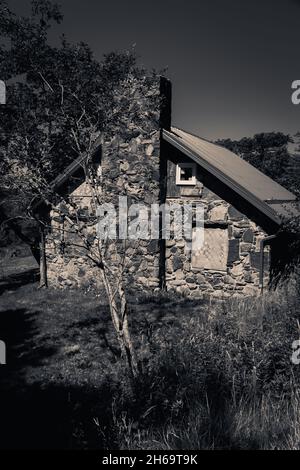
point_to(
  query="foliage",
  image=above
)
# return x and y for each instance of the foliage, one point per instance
(268, 152)
(224, 382)
(214, 375)
(65, 102)
(61, 90)
(60, 99)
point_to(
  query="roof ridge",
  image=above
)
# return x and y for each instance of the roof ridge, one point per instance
(195, 135)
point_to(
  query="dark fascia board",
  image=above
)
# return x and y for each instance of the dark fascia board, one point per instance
(68, 173)
(39, 202)
(262, 206)
(74, 166)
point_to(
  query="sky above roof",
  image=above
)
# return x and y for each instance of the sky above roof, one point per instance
(231, 62)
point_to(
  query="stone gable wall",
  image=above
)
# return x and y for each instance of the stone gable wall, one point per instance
(242, 274)
(130, 166)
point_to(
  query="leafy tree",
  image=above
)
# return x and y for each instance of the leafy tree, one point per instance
(268, 153)
(46, 102)
(56, 112)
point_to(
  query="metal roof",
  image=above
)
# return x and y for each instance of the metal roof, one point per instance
(261, 191)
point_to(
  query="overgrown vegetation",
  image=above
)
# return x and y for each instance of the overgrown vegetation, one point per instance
(60, 99)
(65, 105)
(223, 379)
(213, 376)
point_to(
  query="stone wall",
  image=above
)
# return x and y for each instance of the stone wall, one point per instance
(241, 275)
(134, 164)
(67, 264)
(130, 166)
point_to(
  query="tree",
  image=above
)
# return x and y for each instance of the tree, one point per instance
(57, 112)
(268, 153)
(136, 101)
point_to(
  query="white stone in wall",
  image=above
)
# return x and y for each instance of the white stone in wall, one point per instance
(237, 270)
(218, 213)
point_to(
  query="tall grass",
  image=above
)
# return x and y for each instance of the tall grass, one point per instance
(223, 380)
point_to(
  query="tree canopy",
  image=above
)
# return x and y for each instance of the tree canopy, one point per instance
(268, 152)
(59, 99)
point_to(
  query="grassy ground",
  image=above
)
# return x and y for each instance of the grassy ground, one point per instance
(17, 266)
(61, 356)
(213, 376)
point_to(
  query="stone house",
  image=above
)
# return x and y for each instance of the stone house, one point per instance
(158, 163)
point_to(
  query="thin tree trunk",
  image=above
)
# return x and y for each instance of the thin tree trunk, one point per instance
(43, 262)
(130, 352)
(119, 315)
(111, 300)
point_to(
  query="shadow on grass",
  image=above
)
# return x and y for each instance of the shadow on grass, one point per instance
(52, 398)
(42, 414)
(21, 405)
(52, 417)
(14, 281)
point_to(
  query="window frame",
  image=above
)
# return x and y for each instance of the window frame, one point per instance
(179, 167)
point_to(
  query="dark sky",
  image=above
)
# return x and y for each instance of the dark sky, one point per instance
(231, 62)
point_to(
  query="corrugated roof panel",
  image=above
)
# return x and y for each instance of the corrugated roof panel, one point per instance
(276, 202)
(236, 168)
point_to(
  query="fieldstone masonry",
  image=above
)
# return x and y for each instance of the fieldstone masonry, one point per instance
(241, 276)
(132, 165)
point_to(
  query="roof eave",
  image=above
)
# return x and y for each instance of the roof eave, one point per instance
(262, 206)
(69, 171)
